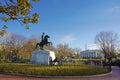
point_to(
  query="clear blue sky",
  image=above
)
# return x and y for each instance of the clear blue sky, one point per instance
(75, 22)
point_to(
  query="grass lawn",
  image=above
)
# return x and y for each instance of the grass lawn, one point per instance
(39, 70)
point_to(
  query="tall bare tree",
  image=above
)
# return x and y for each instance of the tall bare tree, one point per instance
(107, 42)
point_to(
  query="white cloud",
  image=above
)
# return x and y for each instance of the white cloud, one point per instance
(68, 39)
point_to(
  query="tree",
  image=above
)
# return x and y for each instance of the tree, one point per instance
(77, 53)
(107, 42)
(13, 44)
(17, 10)
(64, 50)
(3, 45)
(29, 46)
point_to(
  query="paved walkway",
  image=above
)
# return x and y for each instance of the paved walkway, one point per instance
(115, 75)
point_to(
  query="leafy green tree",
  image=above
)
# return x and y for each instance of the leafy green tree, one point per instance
(17, 10)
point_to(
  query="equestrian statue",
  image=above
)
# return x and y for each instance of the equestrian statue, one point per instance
(44, 41)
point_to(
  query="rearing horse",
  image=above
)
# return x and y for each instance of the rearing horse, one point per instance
(44, 42)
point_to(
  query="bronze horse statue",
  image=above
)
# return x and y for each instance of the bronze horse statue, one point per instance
(43, 42)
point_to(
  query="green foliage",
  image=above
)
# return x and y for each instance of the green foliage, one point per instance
(1, 56)
(18, 10)
(34, 19)
(28, 28)
(35, 0)
(39, 70)
(4, 27)
(3, 32)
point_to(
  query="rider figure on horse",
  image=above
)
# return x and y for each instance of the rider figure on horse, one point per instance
(42, 37)
(44, 41)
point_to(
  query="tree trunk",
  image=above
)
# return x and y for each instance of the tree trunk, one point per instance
(109, 63)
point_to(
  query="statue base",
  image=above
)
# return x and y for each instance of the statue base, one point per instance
(43, 57)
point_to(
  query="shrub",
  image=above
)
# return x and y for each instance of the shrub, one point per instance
(64, 70)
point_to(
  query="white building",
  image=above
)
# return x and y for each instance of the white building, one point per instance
(91, 54)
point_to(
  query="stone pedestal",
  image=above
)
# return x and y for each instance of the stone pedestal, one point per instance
(43, 57)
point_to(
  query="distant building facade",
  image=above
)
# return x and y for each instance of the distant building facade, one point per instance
(91, 54)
